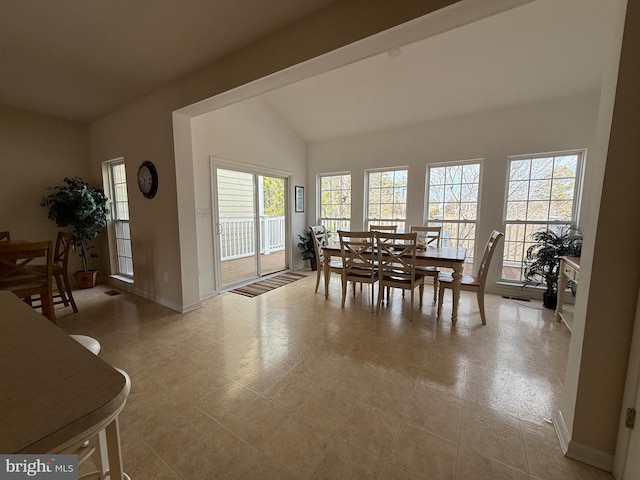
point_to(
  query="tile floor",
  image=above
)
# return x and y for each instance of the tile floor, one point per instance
(288, 385)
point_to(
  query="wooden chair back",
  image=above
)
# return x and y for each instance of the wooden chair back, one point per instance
(397, 264)
(397, 256)
(20, 272)
(319, 235)
(489, 249)
(430, 236)
(64, 242)
(383, 228)
(359, 263)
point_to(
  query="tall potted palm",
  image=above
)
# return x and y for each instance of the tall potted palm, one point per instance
(543, 259)
(84, 208)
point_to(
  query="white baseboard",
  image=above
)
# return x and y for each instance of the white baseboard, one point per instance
(130, 288)
(561, 431)
(577, 451)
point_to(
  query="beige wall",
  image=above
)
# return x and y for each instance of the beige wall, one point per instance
(36, 152)
(600, 351)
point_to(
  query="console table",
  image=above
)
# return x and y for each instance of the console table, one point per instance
(569, 271)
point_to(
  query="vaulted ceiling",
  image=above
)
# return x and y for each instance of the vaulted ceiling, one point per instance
(80, 60)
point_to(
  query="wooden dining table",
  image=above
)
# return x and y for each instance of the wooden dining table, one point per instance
(54, 393)
(19, 271)
(444, 257)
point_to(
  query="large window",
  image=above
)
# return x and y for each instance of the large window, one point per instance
(120, 218)
(335, 201)
(387, 198)
(452, 203)
(543, 193)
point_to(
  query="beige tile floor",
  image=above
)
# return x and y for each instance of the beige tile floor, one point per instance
(288, 385)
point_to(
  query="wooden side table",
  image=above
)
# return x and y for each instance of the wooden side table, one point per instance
(569, 271)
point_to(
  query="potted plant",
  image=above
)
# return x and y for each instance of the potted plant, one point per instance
(307, 248)
(83, 207)
(543, 267)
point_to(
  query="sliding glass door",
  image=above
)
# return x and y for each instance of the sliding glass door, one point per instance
(251, 225)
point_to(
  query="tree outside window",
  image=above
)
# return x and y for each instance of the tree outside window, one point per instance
(542, 194)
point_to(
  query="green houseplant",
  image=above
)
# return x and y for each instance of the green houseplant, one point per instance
(83, 207)
(543, 259)
(307, 248)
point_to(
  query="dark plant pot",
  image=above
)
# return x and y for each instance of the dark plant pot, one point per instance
(314, 264)
(550, 300)
(87, 279)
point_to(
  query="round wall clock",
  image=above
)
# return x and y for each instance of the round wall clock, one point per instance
(148, 179)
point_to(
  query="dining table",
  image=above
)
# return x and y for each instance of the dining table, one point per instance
(442, 257)
(55, 393)
(20, 271)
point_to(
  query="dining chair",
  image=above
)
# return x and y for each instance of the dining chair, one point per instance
(5, 236)
(61, 254)
(319, 235)
(19, 273)
(397, 265)
(474, 283)
(359, 261)
(383, 228)
(429, 237)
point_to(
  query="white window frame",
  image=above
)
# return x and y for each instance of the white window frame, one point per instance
(514, 253)
(400, 221)
(334, 223)
(121, 252)
(447, 236)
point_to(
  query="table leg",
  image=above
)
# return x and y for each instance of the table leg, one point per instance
(455, 287)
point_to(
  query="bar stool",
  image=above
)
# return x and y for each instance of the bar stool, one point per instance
(89, 343)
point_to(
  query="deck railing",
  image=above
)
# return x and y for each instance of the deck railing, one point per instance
(238, 236)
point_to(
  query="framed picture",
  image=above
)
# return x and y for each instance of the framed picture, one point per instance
(299, 199)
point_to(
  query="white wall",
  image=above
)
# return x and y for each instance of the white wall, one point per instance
(555, 125)
(248, 133)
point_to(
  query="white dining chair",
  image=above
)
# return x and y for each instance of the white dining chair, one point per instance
(474, 283)
(397, 265)
(358, 260)
(429, 237)
(319, 235)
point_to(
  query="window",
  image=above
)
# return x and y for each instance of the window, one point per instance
(120, 218)
(542, 193)
(387, 198)
(452, 203)
(335, 201)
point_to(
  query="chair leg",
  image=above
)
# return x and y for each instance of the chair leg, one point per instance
(440, 299)
(435, 289)
(67, 287)
(344, 290)
(373, 305)
(60, 288)
(480, 296)
(421, 287)
(319, 270)
(380, 295)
